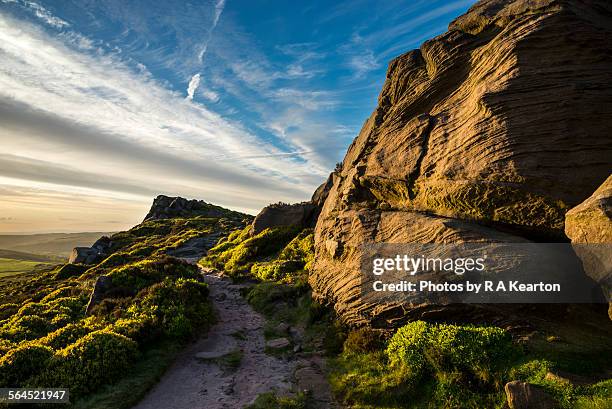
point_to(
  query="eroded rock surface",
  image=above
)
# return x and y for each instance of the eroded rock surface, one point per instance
(589, 226)
(591, 220)
(502, 121)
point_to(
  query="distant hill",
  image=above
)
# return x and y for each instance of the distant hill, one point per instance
(51, 244)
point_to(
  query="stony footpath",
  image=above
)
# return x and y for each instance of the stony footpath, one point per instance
(232, 364)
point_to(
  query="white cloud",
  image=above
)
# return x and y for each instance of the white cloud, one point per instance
(363, 63)
(310, 100)
(194, 83)
(62, 105)
(211, 95)
(41, 12)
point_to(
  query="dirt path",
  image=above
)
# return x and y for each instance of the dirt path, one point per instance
(193, 383)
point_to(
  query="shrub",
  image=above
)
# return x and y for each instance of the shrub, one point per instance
(301, 248)
(95, 359)
(238, 255)
(59, 293)
(114, 260)
(408, 345)
(275, 270)
(6, 310)
(362, 340)
(65, 336)
(178, 307)
(270, 400)
(141, 330)
(21, 363)
(450, 348)
(26, 327)
(136, 276)
(264, 297)
(72, 306)
(5, 346)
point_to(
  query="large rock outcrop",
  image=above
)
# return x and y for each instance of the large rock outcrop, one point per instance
(303, 214)
(91, 255)
(589, 226)
(165, 207)
(503, 121)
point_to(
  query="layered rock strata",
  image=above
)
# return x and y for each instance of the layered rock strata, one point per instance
(491, 131)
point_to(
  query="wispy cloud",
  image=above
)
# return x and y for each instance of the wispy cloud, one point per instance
(210, 95)
(363, 63)
(95, 113)
(194, 83)
(219, 6)
(39, 11)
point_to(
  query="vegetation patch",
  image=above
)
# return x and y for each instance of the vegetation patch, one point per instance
(153, 299)
(270, 400)
(242, 255)
(445, 365)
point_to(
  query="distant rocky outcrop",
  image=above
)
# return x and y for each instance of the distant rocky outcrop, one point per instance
(91, 255)
(165, 207)
(589, 226)
(303, 214)
(499, 125)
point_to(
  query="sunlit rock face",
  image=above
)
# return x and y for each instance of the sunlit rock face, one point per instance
(489, 132)
(589, 226)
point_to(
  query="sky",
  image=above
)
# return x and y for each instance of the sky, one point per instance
(105, 104)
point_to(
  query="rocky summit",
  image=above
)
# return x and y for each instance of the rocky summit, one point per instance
(489, 132)
(165, 207)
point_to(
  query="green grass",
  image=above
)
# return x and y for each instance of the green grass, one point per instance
(136, 383)
(456, 366)
(10, 267)
(270, 400)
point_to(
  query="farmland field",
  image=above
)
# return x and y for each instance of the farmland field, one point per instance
(9, 267)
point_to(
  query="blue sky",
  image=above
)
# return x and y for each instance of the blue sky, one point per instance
(105, 104)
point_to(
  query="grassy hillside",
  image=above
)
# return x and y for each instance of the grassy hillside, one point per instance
(52, 244)
(152, 304)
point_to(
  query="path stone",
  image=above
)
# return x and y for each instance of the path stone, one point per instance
(210, 355)
(278, 343)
